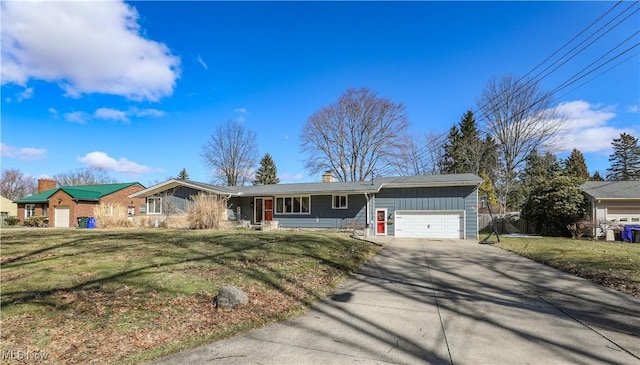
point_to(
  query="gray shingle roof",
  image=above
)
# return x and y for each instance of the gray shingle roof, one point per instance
(353, 187)
(612, 189)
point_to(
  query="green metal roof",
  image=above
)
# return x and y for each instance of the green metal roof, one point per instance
(79, 192)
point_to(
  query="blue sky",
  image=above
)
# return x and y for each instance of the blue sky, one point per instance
(136, 88)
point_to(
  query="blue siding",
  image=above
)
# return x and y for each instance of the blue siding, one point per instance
(322, 215)
(458, 198)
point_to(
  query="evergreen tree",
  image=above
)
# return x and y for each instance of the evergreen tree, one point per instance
(625, 159)
(596, 177)
(466, 152)
(553, 203)
(575, 166)
(267, 172)
(539, 168)
(183, 175)
(451, 157)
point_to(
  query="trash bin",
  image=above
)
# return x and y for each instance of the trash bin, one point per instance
(91, 222)
(82, 222)
(626, 232)
(635, 235)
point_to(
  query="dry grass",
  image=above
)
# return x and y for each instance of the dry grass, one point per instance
(206, 211)
(126, 296)
(111, 215)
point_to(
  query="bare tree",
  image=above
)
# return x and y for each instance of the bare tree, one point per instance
(521, 118)
(231, 154)
(16, 185)
(354, 137)
(84, 176)
(421, 154)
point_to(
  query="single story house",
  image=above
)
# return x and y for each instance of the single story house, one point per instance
(617, 202)
(63, 205)
(432, 206)
(8, 208)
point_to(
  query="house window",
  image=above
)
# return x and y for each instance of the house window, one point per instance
(154, 205)
(293, 204)
(29, 210)
(339, 202)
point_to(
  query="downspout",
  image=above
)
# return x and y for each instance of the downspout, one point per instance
(366, 215)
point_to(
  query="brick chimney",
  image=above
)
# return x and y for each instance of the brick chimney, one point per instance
(46, 184)
(327, 177)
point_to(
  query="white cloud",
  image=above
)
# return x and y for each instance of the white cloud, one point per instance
(85, 47)
(111, 114)
(103, 161)
(587, 127)
(53, 113)
(633, 108)
(241, 110)
(23, 153)
(25, 94)
(77, 117)
(146, 112)
(202, 63)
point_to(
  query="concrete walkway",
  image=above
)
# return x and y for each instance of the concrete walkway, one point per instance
(446, 302)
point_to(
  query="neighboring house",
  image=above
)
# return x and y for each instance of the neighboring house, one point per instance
(63, 205)
(7, 208)
(613, 201)
(434, 206)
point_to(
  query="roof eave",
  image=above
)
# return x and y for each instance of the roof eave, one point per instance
(175, 183)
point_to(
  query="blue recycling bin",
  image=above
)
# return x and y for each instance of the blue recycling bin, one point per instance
(627, 232)
(91, 222)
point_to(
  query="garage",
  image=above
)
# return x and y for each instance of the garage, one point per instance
(62, 217)
(429, 224)
(625, 215)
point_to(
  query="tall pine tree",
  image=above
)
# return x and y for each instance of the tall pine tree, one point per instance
(183, 175)
(466, 152)
(625, 159)
(267, 172)
(576, 166)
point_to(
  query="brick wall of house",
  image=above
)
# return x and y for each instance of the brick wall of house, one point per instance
(39, 210)
(58, 200)
(83, 208)
(122, 197)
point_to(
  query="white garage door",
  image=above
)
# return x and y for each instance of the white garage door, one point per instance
(61, 217)
(425, 224)
(625, 215)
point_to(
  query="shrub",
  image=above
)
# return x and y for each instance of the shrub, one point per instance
(11, 221)
(111, 216)
(580, 228)
(206, 211)
(37, 221)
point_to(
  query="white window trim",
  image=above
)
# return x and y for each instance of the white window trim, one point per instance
(159, 198)
(275, 208)
(346, 201)
(27, 210)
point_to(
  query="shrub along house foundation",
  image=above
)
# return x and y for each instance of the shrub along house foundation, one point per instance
(64, 205)
(430, 206)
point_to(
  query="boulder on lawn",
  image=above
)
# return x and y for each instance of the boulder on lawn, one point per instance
(230, 297)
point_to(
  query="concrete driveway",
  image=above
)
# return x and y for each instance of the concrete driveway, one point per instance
(446, 302)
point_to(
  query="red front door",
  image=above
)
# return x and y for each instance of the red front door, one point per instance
(381, 221)
(268, 209)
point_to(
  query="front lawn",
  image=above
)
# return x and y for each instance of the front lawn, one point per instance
(613, 264)
(125, 296)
